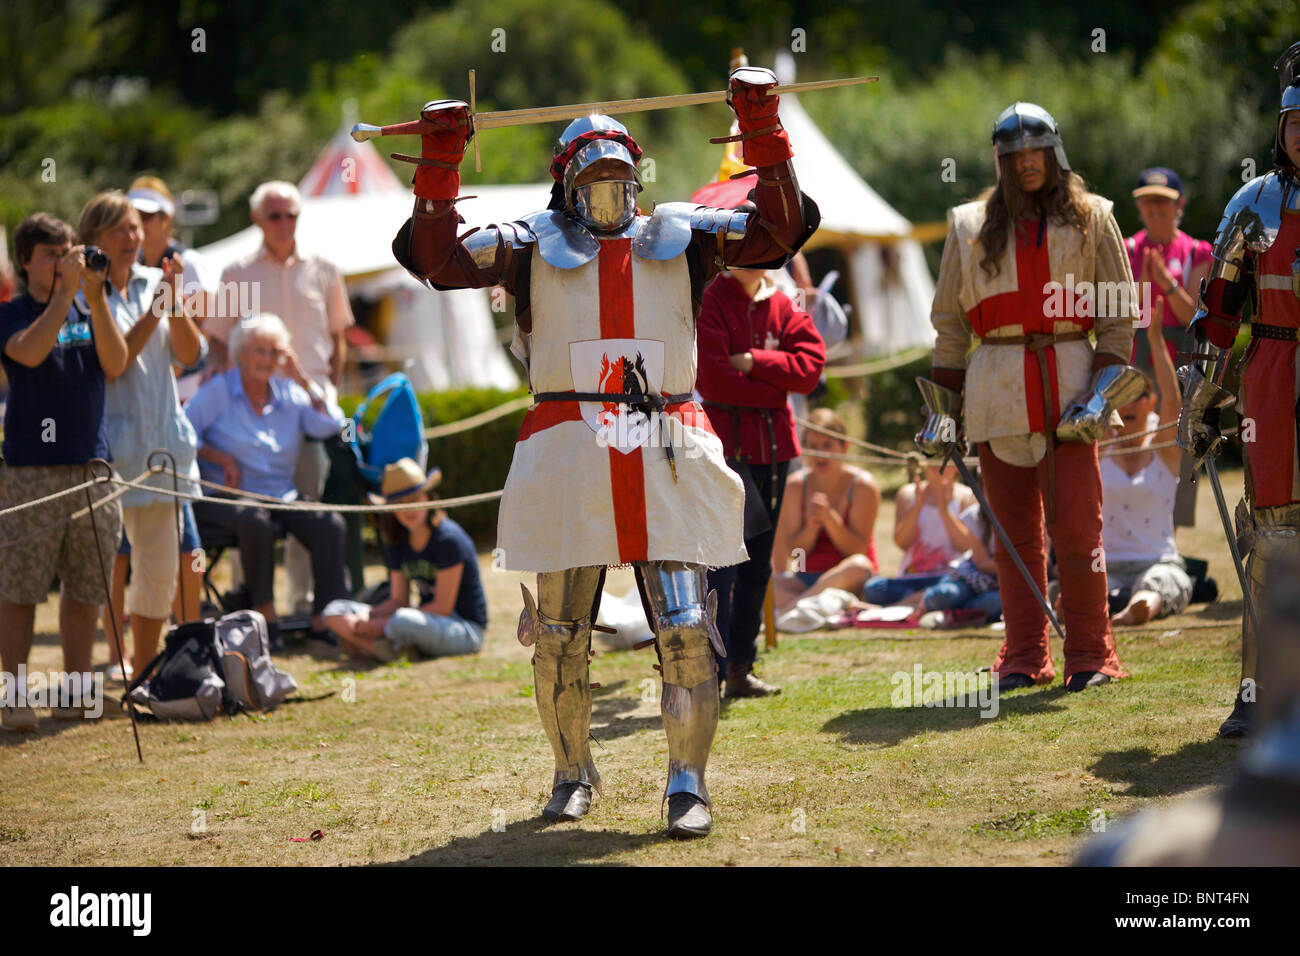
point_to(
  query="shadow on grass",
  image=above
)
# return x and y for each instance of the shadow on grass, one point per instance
(607, 710)
(887, 726)
(1220, 611)
(533, 843)
(1196, 764)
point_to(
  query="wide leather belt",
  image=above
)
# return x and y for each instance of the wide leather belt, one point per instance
(1037, 343)
(641, 401)
(1258, 330)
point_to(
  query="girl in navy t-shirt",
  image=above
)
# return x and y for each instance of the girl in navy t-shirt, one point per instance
(425, 550)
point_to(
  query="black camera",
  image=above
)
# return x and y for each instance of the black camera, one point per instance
(96, 259)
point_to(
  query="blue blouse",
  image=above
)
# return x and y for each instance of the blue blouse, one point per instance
(265, 443)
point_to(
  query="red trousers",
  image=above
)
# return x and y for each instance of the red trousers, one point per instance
(1016, 496)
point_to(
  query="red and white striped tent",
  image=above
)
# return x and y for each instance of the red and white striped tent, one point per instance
(348, 168)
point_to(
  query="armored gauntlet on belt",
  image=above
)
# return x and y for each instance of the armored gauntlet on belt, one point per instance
(1198, 419)
(942, 426)
(1112, 388)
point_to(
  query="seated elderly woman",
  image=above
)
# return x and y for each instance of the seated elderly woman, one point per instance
(250, 422)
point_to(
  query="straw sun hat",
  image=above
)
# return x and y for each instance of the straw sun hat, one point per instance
(402, 479)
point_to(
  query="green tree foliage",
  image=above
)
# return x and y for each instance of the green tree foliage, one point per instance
(245, 49)
(111, 88)
(1115, 122)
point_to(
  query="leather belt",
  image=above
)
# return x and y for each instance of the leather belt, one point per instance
(641, 401)
(1258, 330)
(1037, 342)
(771, 437)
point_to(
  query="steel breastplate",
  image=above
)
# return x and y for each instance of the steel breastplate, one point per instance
(565, 243)
(1253, 216)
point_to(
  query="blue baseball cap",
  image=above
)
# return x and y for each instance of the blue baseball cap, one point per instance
(1159, 181)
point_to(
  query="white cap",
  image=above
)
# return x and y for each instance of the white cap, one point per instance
(149, 200)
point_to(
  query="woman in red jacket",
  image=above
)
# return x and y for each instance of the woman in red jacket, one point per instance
(755, 348)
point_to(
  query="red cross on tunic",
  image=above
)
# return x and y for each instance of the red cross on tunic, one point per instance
(626, 472)
(1027, 307)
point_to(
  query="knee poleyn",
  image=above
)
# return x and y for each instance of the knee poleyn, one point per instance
(684, 646)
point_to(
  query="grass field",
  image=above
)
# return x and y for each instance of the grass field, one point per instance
(444, 762)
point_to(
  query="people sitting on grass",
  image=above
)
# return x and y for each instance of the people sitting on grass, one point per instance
(827, 523)
(251, 421)
(929, 529)
(425, 549)
(967, 595)
(1143, 567)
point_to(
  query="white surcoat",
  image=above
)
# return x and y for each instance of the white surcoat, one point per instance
(590, 483)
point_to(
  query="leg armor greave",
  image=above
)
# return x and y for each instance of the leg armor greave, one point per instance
(1276, 531)
(686, 637)
(561, 677)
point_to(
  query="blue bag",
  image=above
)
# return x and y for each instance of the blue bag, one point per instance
(389, 427)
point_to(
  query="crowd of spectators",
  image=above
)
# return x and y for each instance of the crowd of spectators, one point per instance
(121, 342)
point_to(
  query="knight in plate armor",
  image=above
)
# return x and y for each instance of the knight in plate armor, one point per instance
(614, 464)
(1256, 260)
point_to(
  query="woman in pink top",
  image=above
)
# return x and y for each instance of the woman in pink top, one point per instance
(1166, 257)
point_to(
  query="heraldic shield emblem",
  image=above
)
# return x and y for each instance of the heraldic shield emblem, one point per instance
(619, 367)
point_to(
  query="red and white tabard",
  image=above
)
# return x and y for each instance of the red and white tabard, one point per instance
(585, 488)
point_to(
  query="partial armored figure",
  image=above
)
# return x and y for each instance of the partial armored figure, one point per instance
(1257, 257)
(1035, 393)
(615, 464)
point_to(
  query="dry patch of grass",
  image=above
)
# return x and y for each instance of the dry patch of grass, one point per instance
(444, 762)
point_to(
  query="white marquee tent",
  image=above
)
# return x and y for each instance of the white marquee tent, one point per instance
(889, 283)
(353, 206)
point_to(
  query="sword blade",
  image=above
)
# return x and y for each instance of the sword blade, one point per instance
(1001, 532)
(499, 119)
(1231, 533)
(552, 114)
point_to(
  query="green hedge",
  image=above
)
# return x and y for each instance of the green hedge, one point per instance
(471, 461)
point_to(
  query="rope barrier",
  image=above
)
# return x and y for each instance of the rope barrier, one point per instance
(276, 504)
(482, 418)
(75, 516)
(851, 440)
(877, 365)
(54, 497)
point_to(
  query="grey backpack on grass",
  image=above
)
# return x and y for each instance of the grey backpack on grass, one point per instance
(209, 666)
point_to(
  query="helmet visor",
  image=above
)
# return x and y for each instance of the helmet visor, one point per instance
(606, 205)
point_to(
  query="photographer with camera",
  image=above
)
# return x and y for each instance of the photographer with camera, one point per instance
(154, 202)
(57, 349)
(143, 410)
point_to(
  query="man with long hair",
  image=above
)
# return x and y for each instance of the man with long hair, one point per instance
(1029, 269)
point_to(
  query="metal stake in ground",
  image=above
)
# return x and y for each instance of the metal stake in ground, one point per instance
(176, 505)
(89, 473)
